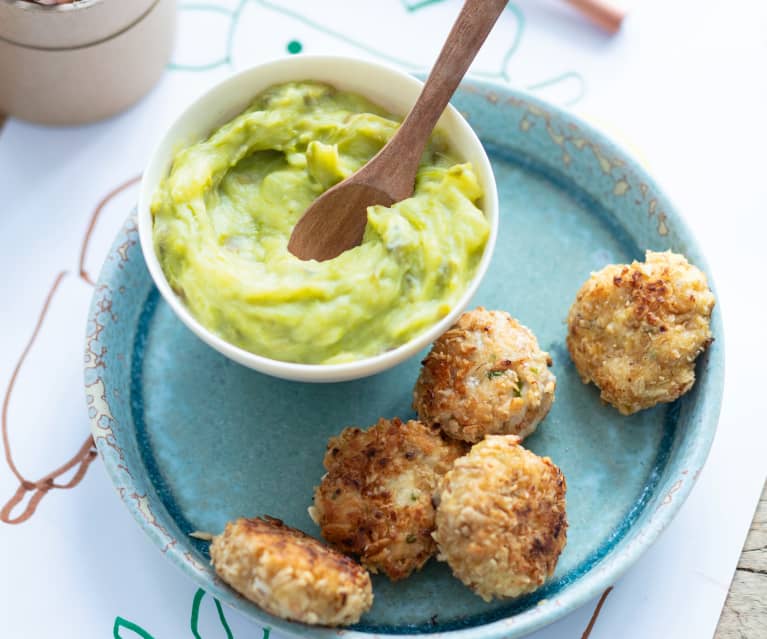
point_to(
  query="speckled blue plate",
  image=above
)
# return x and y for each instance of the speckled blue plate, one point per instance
(192, 440)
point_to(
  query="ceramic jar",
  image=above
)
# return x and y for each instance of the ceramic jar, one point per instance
(83, 61)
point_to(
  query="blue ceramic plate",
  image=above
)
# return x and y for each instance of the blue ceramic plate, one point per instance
(192, 440)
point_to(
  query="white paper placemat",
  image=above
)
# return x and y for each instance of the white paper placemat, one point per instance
(683, 85)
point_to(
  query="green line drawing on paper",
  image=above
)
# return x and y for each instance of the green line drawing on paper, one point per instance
(415, 6)
(234, 17)
(196, 615)
(122, 623)
(514, 44)
(210, 8)
(357, 44)
(362, 46)
(571, 80)
(569, 75)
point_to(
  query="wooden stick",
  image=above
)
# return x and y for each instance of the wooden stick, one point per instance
(601, 12)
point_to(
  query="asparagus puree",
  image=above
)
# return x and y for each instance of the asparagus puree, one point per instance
(223, 216)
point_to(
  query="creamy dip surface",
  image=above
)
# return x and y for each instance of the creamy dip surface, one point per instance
(223, 217)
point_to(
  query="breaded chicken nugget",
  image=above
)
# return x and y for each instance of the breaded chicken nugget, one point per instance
(501, 521)
(485, 375)
(636, 330)
(375, 501)
(290, 574)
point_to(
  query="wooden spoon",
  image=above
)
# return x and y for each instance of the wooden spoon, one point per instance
(335, 222)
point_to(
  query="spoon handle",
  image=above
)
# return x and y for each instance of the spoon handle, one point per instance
(469, 32)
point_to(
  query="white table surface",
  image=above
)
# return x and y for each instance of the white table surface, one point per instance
(684, 85)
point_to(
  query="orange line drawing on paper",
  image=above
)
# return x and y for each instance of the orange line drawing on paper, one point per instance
(82, 459)
(84, 275)
(597, 610)
(87, 451)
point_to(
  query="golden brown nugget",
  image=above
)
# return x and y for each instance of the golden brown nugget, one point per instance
(501, 521)
(289, 574)
(375, 501)
(486, 375)
(636, 330)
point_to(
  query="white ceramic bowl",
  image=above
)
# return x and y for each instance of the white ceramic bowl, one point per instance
(388, 87)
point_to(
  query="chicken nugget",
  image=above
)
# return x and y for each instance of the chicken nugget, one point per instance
(289, 574)
(485, 376)
(636, 330)
(501, 522)
(375, 501)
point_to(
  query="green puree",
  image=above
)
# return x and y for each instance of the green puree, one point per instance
(223, 216)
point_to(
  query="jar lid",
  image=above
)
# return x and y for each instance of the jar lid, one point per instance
(67, 26)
